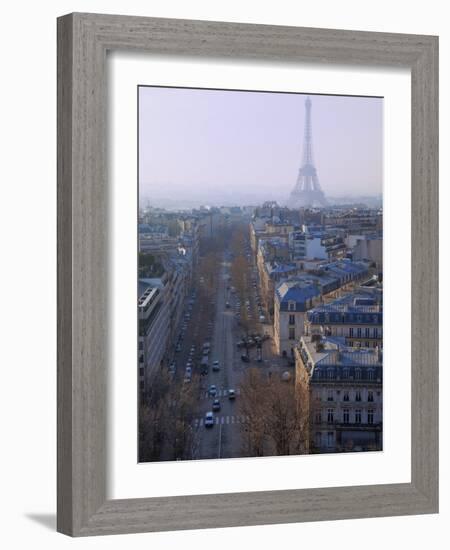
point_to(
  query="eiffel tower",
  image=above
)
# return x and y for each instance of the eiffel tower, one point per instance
(307, 190)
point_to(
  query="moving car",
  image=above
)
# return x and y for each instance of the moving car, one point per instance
(216, 366)
(216, 405)
(212, 391)
(245, 358)
(231, 394)
(209, 420)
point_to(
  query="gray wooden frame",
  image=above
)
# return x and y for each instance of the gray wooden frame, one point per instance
(83, 40)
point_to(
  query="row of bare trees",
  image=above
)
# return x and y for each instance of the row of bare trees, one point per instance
(277, 416)
(165, 420)
(241, 274)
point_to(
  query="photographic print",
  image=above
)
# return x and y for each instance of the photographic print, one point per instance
(260, 273)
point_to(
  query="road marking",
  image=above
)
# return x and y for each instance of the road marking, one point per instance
(220, 420)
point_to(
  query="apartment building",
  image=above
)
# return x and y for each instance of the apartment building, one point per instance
(342, 387)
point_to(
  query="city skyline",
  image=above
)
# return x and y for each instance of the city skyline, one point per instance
(235, 146)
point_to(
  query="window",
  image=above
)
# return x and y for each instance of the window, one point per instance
(346, 416)
(330, 439)
(370, 396)
(291, 333)
(346, 372)
(375, 332)
(318, 417)
(370, 416)
(346, 396)
(358, 374)
(357, 395)
(330, 373)
(318, 396)
(330, 416)
(318, 439)
(367, 344)
(350, 332)
(358, 332)
(370, 374)
(367, 332)
(291, 306)
(292, 319)
(330, 396)
(358, 416)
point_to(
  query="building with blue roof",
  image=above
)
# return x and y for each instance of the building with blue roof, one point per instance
(341, 391)
(293, 298)
(356, 319)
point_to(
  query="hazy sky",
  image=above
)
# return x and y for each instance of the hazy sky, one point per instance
(222, 147)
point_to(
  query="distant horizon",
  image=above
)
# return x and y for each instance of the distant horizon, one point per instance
(168, 203)
(222, 147)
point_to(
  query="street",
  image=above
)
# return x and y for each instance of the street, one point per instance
(215, 322)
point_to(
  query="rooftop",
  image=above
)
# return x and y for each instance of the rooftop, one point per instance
(298, 291)
(317, 352)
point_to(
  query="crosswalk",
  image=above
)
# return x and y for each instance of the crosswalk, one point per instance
(220, 393)
(230, 419)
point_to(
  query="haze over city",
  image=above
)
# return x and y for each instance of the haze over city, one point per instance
(229, 147)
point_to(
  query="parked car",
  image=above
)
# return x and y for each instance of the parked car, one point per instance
(245, 358)
(209, 420)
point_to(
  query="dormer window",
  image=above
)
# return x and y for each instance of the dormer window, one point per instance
(291, 306)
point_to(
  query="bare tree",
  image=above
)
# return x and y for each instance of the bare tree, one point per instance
(276, 422)
(252, 408)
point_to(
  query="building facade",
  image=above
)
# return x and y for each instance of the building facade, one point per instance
(343, 389)
(356, 320)
(154, 328)
(293, 298)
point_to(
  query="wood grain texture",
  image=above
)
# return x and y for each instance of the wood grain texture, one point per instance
(83, 40)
